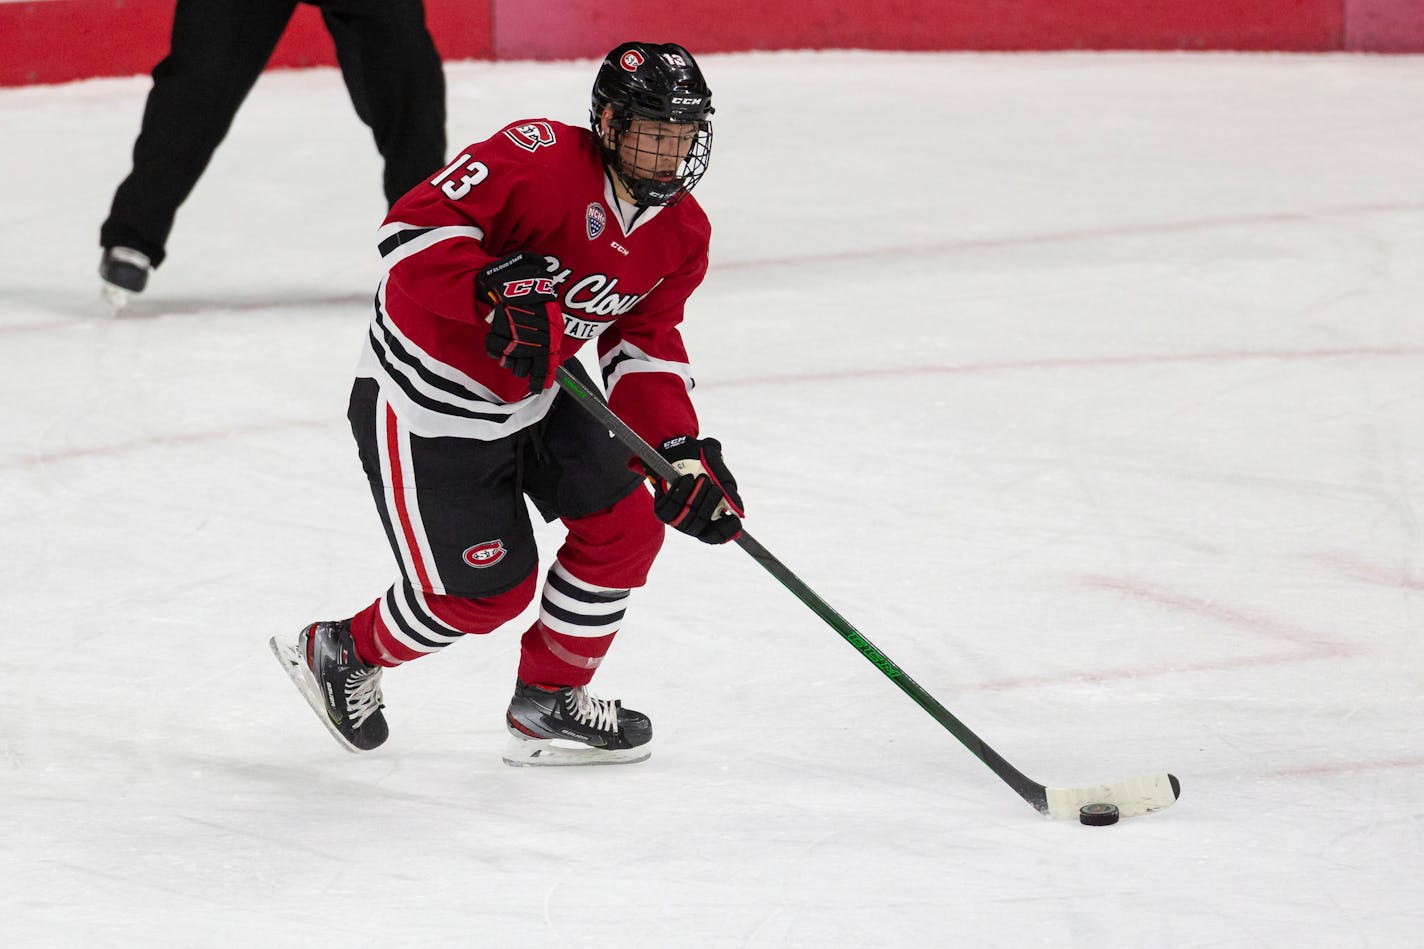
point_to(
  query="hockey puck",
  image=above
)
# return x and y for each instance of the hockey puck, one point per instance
(1097, 815)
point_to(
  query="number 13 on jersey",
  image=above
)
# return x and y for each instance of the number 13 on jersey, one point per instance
(457, 188)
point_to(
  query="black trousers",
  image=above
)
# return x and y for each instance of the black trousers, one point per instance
(220, 47)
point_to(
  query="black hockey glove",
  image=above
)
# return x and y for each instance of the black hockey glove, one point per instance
(704, 501)
(526, 331)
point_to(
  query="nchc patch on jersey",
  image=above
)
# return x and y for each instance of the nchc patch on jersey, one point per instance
(595, 220)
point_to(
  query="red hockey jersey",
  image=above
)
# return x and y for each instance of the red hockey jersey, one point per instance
(623, 274)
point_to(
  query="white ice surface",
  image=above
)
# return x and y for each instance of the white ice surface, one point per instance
(1090, 387)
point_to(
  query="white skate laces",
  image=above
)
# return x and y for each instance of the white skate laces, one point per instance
(363, 695)
(568, 726)
(601, 714)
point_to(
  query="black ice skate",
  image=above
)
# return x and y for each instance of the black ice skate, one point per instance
(344, 692)
(569, 726)
(124, 272)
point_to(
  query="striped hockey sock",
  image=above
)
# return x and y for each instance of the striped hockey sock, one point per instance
(576, 625)
(407, 623)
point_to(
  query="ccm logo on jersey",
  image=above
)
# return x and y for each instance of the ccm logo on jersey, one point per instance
(485, 554)
(531, 135)
(528, 285)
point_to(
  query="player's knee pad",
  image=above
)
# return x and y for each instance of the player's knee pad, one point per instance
(615, 547)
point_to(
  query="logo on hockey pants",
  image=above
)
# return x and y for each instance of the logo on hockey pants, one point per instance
(485, 554)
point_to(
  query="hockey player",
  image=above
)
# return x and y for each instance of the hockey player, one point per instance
(498, 269)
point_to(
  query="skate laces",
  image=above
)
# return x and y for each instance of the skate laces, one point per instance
(363, 694)
(601, 714)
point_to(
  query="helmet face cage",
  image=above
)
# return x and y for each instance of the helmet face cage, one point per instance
(658, 83)
(625, 162)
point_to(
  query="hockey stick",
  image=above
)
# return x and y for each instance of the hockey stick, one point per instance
(1132, 797)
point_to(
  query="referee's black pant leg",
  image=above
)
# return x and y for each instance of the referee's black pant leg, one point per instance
(397, 84)
(218, 49)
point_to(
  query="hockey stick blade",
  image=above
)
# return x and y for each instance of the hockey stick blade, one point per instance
(1133, 797)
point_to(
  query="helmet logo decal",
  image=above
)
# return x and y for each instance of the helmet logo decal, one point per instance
(631, 60)
(595, 220)
(531, 135)
(485, 554)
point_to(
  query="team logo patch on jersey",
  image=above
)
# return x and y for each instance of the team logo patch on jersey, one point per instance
(595, 220)
(485, 554)
(531, 135)
(631, 60)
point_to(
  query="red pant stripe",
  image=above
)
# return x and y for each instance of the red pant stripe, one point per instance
(399, 499)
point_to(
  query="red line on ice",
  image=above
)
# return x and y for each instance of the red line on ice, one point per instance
(1307, 646)
(847, 375)
(41, 459)
(1362, 570)
(1077, 234)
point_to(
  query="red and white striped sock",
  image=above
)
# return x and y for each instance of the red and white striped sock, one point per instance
(576, 625)
(407, 623)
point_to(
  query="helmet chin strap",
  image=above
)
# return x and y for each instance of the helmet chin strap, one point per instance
(625, 184)
(631, 189)
(620, 183)
(628, 208)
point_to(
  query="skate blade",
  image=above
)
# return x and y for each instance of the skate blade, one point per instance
(115, 298)
(557, 753)
(291, 660)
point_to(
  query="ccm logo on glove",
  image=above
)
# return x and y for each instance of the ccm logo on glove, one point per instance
(703, 500)
(526, 325)
(544, 286)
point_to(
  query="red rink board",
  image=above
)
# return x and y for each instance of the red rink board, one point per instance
(559, 29)
(1384, 26)
(48, 41)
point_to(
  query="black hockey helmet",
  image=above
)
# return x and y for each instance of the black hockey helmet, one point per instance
(661, 82)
